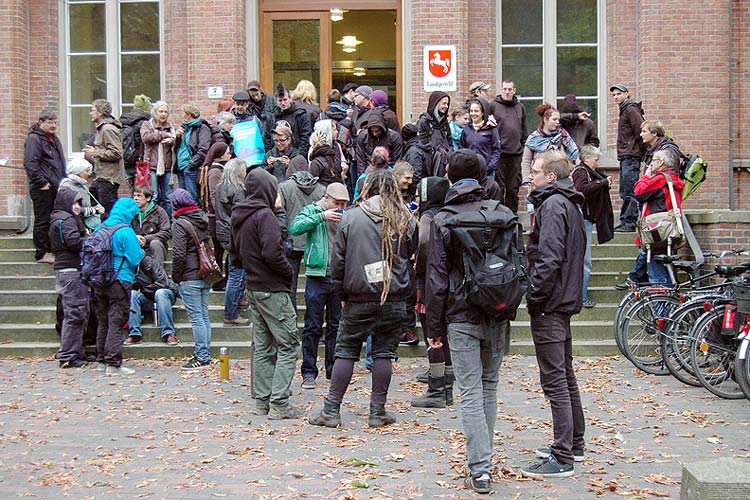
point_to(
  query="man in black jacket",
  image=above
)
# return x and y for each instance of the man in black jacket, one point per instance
(510, 116)
(151, 225)
(44, 161)
(376, 133)
(296, 117)
(556, 247)
(257, 247)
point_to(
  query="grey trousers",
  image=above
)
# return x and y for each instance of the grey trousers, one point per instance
(75, 305)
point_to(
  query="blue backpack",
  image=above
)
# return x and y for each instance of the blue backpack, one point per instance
(97, 258)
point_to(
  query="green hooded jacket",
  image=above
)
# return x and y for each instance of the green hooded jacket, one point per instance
(312, 221)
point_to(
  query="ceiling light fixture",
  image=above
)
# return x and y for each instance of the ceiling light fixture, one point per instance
(359, 71)
(349, 43)
(337, 15)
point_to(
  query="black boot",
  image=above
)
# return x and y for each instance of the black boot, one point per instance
(423, 377)
(329, 416)
(449, 379)
(434, 397)
(378, 416)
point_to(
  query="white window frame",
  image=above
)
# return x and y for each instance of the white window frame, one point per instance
(549, 47)
(113, 61)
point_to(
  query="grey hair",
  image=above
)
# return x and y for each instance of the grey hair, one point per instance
(224, 117)
(668, 157)
(589, 151)
(234, 173)
(47, 114)
(158, 104)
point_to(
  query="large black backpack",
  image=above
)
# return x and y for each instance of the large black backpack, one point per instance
(494, 278)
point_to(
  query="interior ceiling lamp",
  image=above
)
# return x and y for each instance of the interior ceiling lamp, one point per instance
(349, 43)
(359, 71)
(337, 15)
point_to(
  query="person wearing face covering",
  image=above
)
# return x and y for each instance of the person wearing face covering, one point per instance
(257, 246)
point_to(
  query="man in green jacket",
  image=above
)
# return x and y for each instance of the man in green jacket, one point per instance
(319, 221)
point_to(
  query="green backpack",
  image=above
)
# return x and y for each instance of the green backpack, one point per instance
(693, 172)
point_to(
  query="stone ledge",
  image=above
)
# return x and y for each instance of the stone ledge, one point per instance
(698, 217)
(720, 479)
(12, 222)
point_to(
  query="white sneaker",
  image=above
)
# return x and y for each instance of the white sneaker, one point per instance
(100, 367)
(119, 370)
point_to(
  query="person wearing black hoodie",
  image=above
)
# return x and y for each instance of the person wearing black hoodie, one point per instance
(257, 246)
(44, 161)
(66, 233)
(296, 117)
(556, 246)
(376, 133)
(510, 116)
(417, 152)
(434, 124)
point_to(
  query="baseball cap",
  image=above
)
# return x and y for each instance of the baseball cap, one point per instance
(337, 191)
(364, 90)
(241, 96)
(349, 86)
(478, 86)
(620, 87)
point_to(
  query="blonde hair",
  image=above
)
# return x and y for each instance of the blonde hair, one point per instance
(192, 109)
(305, 92)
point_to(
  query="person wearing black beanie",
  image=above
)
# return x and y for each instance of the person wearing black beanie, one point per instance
(463, 164)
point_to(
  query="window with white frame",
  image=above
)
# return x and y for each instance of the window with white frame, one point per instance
(113, 52)
(551, 48)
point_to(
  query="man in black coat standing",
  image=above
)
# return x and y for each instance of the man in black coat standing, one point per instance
(44, 161)
(555, 252)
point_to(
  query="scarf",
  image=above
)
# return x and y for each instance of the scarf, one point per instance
(541, 141)
(185, 209)
(184, 154)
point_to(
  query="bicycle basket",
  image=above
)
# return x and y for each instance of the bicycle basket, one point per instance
(742, 296)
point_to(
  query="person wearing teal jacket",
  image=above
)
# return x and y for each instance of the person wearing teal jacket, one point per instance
(113, 301)
(319, 221)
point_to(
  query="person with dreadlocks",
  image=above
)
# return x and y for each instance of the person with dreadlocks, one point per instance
(371, 275)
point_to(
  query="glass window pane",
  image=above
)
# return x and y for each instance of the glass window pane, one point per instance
(139, 26)
(532, 119)
(522, 21)
(80, 127)
(576, 21)
(140, 75)
(524, 66)
(576, 71)
(86, 28)
(589, 105)
(88, 80)
(296, 51)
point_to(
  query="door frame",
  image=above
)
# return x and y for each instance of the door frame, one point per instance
(270, 10)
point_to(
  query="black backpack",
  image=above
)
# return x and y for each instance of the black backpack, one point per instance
(97, 257)
(131, 143)
(494, 278)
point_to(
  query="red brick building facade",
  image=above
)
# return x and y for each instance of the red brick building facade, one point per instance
(686, 61)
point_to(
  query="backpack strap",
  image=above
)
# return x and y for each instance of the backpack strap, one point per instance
(192, 232)
(675, 208)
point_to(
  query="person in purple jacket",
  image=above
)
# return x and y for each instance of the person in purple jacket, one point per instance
(482, 137)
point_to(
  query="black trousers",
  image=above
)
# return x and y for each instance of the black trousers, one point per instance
(43, 201)
(106, 193)
(112, 309)
(554, 354)
(508, 176)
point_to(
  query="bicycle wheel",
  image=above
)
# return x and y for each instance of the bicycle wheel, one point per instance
(641, 332)
(675, 342)
(712, 355)
(627, 302)
(742, 366)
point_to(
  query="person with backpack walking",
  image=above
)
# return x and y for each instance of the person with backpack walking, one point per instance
(474, 336)
(556, 246)
(66, 233)
(158, 136)
(113, 297)
(190, 224)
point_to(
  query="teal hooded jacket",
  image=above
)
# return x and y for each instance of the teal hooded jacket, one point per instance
(124, 242)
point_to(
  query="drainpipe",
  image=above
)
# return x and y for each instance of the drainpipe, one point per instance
(731, 108)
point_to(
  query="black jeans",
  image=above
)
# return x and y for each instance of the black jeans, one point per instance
(112, 309)
(360, 319)
(43, 201)
(554, 354)
(296, 261)
(322, 302)
(508, 176)
(106, 193)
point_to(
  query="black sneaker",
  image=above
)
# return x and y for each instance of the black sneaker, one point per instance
(548, 467)
(625, 228)
(544, 452)
(624, 285)
(73, 363)
(196, 364)
(409, 338)
(481, 484)
(588, 304)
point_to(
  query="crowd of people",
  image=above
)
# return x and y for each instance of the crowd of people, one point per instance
(365, 204)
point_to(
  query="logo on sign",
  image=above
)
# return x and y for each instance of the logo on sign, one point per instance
(440, 62)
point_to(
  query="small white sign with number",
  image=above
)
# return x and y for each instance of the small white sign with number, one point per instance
(215, 92)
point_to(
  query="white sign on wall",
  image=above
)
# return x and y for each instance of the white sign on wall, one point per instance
(215, 92)
(440, 68)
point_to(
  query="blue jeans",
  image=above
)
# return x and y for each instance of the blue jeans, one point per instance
(234, 290)
(161, 184)
(188, 180)
(164, 299)
(657, 273)
(477, 355)
(639, 274)
(630, 170)
(321, 300)
(589, 226)
(194, 295)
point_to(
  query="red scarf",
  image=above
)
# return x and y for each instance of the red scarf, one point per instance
(183, 210)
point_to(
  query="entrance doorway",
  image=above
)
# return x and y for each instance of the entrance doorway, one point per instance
(306, 40)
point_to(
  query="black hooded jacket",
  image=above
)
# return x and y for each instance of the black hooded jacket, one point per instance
(662, 143)
(325, 164)
(435, 126)
(151, 277)
(555, 250)
(418, 153)
(366, 142)
(66, 231)
(257, 244)
(432, 191)
(43, 158)
(185, 261)
(299, 121)
(511, 124)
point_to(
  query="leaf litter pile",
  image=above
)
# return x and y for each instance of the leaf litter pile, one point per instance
(165, 434)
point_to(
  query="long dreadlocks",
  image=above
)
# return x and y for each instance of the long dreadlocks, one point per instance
(396, 220)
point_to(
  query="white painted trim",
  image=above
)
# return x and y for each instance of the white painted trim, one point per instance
(252, 40)
(549, 52)
(112, 58)
(602, 121)
(406, 61)
(62, 64)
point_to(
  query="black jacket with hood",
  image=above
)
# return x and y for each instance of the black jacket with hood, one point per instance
(152, 277)
(66, 231)
(366, 142)
(300, 190)
(556, 245)
(153, 225)
(43, 158)
(511, 124)
(661, 144)
(185, 261)
(227, 196)
(299, 121)
(434, 125)
(417, 152)
(257, 244)
(358, 245)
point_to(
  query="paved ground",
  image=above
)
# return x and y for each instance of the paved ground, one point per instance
(165, 434)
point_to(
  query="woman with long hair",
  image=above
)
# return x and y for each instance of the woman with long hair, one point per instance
(158, 136)
(306, 97)
(482, 137)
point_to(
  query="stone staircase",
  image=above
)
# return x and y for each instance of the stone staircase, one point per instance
(27, 310)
